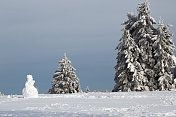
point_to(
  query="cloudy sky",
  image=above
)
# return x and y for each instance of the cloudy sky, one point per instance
(35, 34)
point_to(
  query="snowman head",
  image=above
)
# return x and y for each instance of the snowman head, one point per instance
(29, 78)
(30, 82)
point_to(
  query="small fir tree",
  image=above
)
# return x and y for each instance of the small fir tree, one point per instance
(87, 89)
(1, 94)
(65, 79)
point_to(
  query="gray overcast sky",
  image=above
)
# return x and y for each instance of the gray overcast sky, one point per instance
(35, 34)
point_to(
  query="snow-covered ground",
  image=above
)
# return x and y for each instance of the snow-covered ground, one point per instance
(121, 104)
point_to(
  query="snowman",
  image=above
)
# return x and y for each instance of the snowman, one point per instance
(30, 91)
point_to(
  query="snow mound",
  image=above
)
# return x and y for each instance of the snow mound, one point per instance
(30, 91)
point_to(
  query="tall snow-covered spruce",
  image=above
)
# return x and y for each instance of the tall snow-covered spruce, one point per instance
(128, 68)
(164, 48)
(145, 54)
(65, 79)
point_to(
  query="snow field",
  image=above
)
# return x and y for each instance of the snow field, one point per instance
(120, 104)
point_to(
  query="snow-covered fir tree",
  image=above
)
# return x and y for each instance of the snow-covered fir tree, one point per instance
(128, 69)
(164, 48)
(65, 79)
(87, 89)
(136, 61)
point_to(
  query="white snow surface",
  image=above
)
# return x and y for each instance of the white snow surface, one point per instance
(114, 104)
(30, 91)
